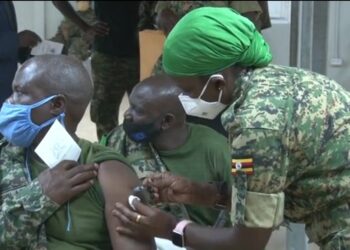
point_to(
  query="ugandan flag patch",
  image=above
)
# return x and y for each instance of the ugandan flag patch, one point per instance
(242, 165)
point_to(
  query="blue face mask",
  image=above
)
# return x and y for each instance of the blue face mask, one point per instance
(16, 124)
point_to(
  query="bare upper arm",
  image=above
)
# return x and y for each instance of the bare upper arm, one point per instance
(117, 181)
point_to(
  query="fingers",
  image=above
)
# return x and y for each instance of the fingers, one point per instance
(66, 164)
(101, 28)
(83, 177)
(77, 189)
(127, 216)
(142, 208)
(125, 231)
(83, 168)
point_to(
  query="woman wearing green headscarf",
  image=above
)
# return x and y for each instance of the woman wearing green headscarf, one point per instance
(289, 133)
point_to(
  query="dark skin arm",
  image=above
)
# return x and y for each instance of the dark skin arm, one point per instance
(100, 28)
(197, 237)
(117, 182)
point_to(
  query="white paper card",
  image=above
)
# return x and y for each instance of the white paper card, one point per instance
(47, 47)
(57, 145)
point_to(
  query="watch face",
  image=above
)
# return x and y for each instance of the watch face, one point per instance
(178, 239)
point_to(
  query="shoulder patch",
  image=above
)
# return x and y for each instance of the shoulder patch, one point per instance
(245, 165)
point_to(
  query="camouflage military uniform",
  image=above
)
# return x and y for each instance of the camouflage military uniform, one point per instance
(180, 8)
(24, 207)
(294, 125)
(112, 77)
(145, 160)
(28, 217)
(114, 62)
(75, 44)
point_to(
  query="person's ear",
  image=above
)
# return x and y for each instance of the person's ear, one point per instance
(58, 105)
(218, 81)
(168, 121)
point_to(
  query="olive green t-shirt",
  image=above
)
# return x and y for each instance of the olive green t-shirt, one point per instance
(86, 228)
(204, 157)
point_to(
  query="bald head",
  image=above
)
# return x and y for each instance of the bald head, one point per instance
(59, 74)
(160, 93)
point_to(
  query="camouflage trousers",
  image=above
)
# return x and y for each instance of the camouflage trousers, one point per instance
(330, 229)
(113, 76)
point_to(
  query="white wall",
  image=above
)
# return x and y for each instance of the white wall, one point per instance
(40, 16)
(279, 34)
(339, 42)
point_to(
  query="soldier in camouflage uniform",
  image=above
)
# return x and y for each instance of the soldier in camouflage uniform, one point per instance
(62, 207)
(115, 57)
(289, 131)
(76, 44)
(157, 98)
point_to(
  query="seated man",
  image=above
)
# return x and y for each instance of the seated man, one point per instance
(64, 207)
(156, 138)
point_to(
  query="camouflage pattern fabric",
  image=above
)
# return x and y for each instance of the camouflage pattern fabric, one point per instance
(180, 8)
(73, 38)
(146, 15)
(112, 76)
(24, 207)
(295, 125)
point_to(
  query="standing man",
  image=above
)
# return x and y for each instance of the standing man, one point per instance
(115, 57)
(11, 43)
(73, 38)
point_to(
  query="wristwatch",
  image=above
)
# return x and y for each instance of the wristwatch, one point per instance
(178, 237)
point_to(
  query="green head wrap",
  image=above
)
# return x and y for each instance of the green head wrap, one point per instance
(210, 39)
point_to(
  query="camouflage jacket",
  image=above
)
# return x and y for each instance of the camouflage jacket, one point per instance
(24, 207)
(293, 127)
(75, 42)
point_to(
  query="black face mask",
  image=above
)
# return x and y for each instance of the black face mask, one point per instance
(140, 132)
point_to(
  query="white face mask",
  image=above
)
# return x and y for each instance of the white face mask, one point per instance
(200, 108)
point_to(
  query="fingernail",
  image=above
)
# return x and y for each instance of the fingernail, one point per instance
(91, 182)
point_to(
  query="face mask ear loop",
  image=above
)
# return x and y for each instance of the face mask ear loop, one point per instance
(204, 88)
(206, 85)
(220, 95)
